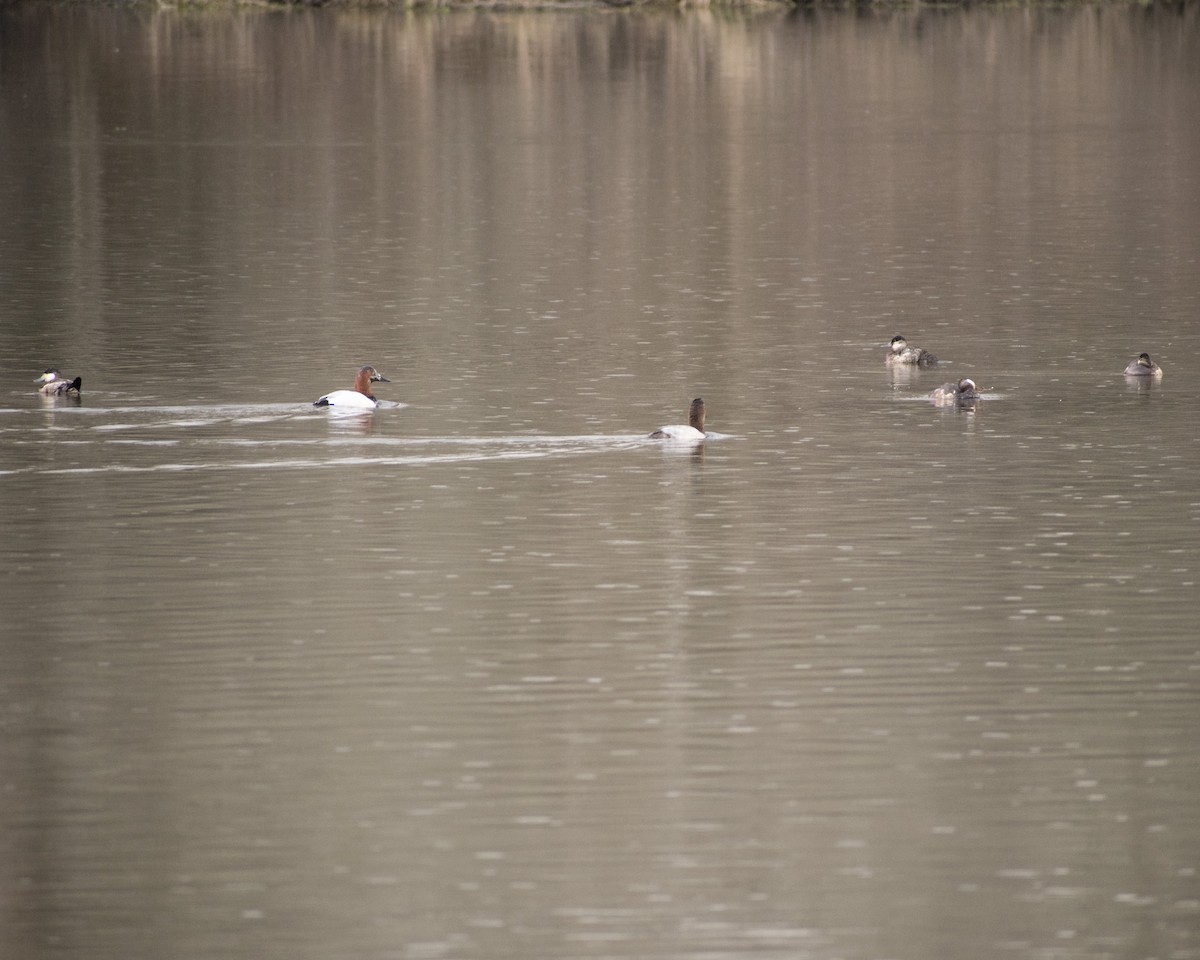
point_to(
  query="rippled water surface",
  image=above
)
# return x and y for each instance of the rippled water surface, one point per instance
(486, 672)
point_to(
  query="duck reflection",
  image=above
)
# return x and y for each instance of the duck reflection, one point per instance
(53, 401)
(680, 451)
(903, 375)
(359, 423)
(1142, 384)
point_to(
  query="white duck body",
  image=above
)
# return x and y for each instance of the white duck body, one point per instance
(1143, 366)
(360, 397)
(691, 432)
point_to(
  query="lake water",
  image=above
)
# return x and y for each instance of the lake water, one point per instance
(485, 673)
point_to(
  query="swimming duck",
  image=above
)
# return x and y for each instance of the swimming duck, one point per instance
(360, 396)
(53, 384)
(1143, 366)
(692, 430)
(961, 392)
(900, 352)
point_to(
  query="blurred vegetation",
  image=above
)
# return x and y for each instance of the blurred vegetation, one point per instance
(500, 5)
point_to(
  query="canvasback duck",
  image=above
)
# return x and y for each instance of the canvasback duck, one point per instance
(1143, 366)
(360, 396)
(53, 384)
(899, 352)
(693, 430)
(962, 392)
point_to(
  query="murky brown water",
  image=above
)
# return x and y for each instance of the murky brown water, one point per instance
(487, 674)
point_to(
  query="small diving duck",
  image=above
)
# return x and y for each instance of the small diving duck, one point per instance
(53, 384)
(1143, 366)
(900, 352)
(360, 397)
(962, 392)
(693, 430)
